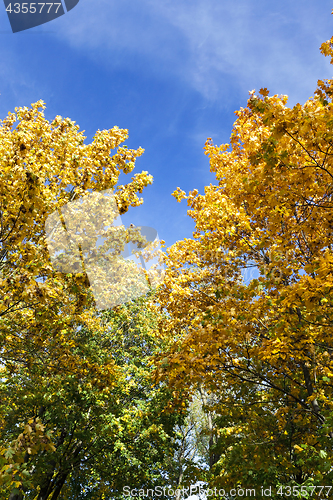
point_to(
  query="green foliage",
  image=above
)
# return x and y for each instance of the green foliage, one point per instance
(107, 432)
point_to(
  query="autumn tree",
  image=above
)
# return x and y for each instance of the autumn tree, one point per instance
(46, 311)
(265, 347)
(44, 166)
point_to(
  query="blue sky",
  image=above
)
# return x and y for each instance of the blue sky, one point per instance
(170, 71)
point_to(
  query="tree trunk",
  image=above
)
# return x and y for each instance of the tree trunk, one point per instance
(46, 489)
(179, 482)
(59, 484)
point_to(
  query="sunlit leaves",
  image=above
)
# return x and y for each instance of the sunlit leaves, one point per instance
(43, 312)
(263, 343)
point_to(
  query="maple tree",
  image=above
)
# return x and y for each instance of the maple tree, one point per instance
(264, 347)
(45, 311)
(43, 167)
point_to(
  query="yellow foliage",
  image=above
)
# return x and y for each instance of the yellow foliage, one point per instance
(271, 208)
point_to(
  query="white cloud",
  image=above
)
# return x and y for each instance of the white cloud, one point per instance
(209, 44)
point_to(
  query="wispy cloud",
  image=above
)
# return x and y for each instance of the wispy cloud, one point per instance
(211, 45)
